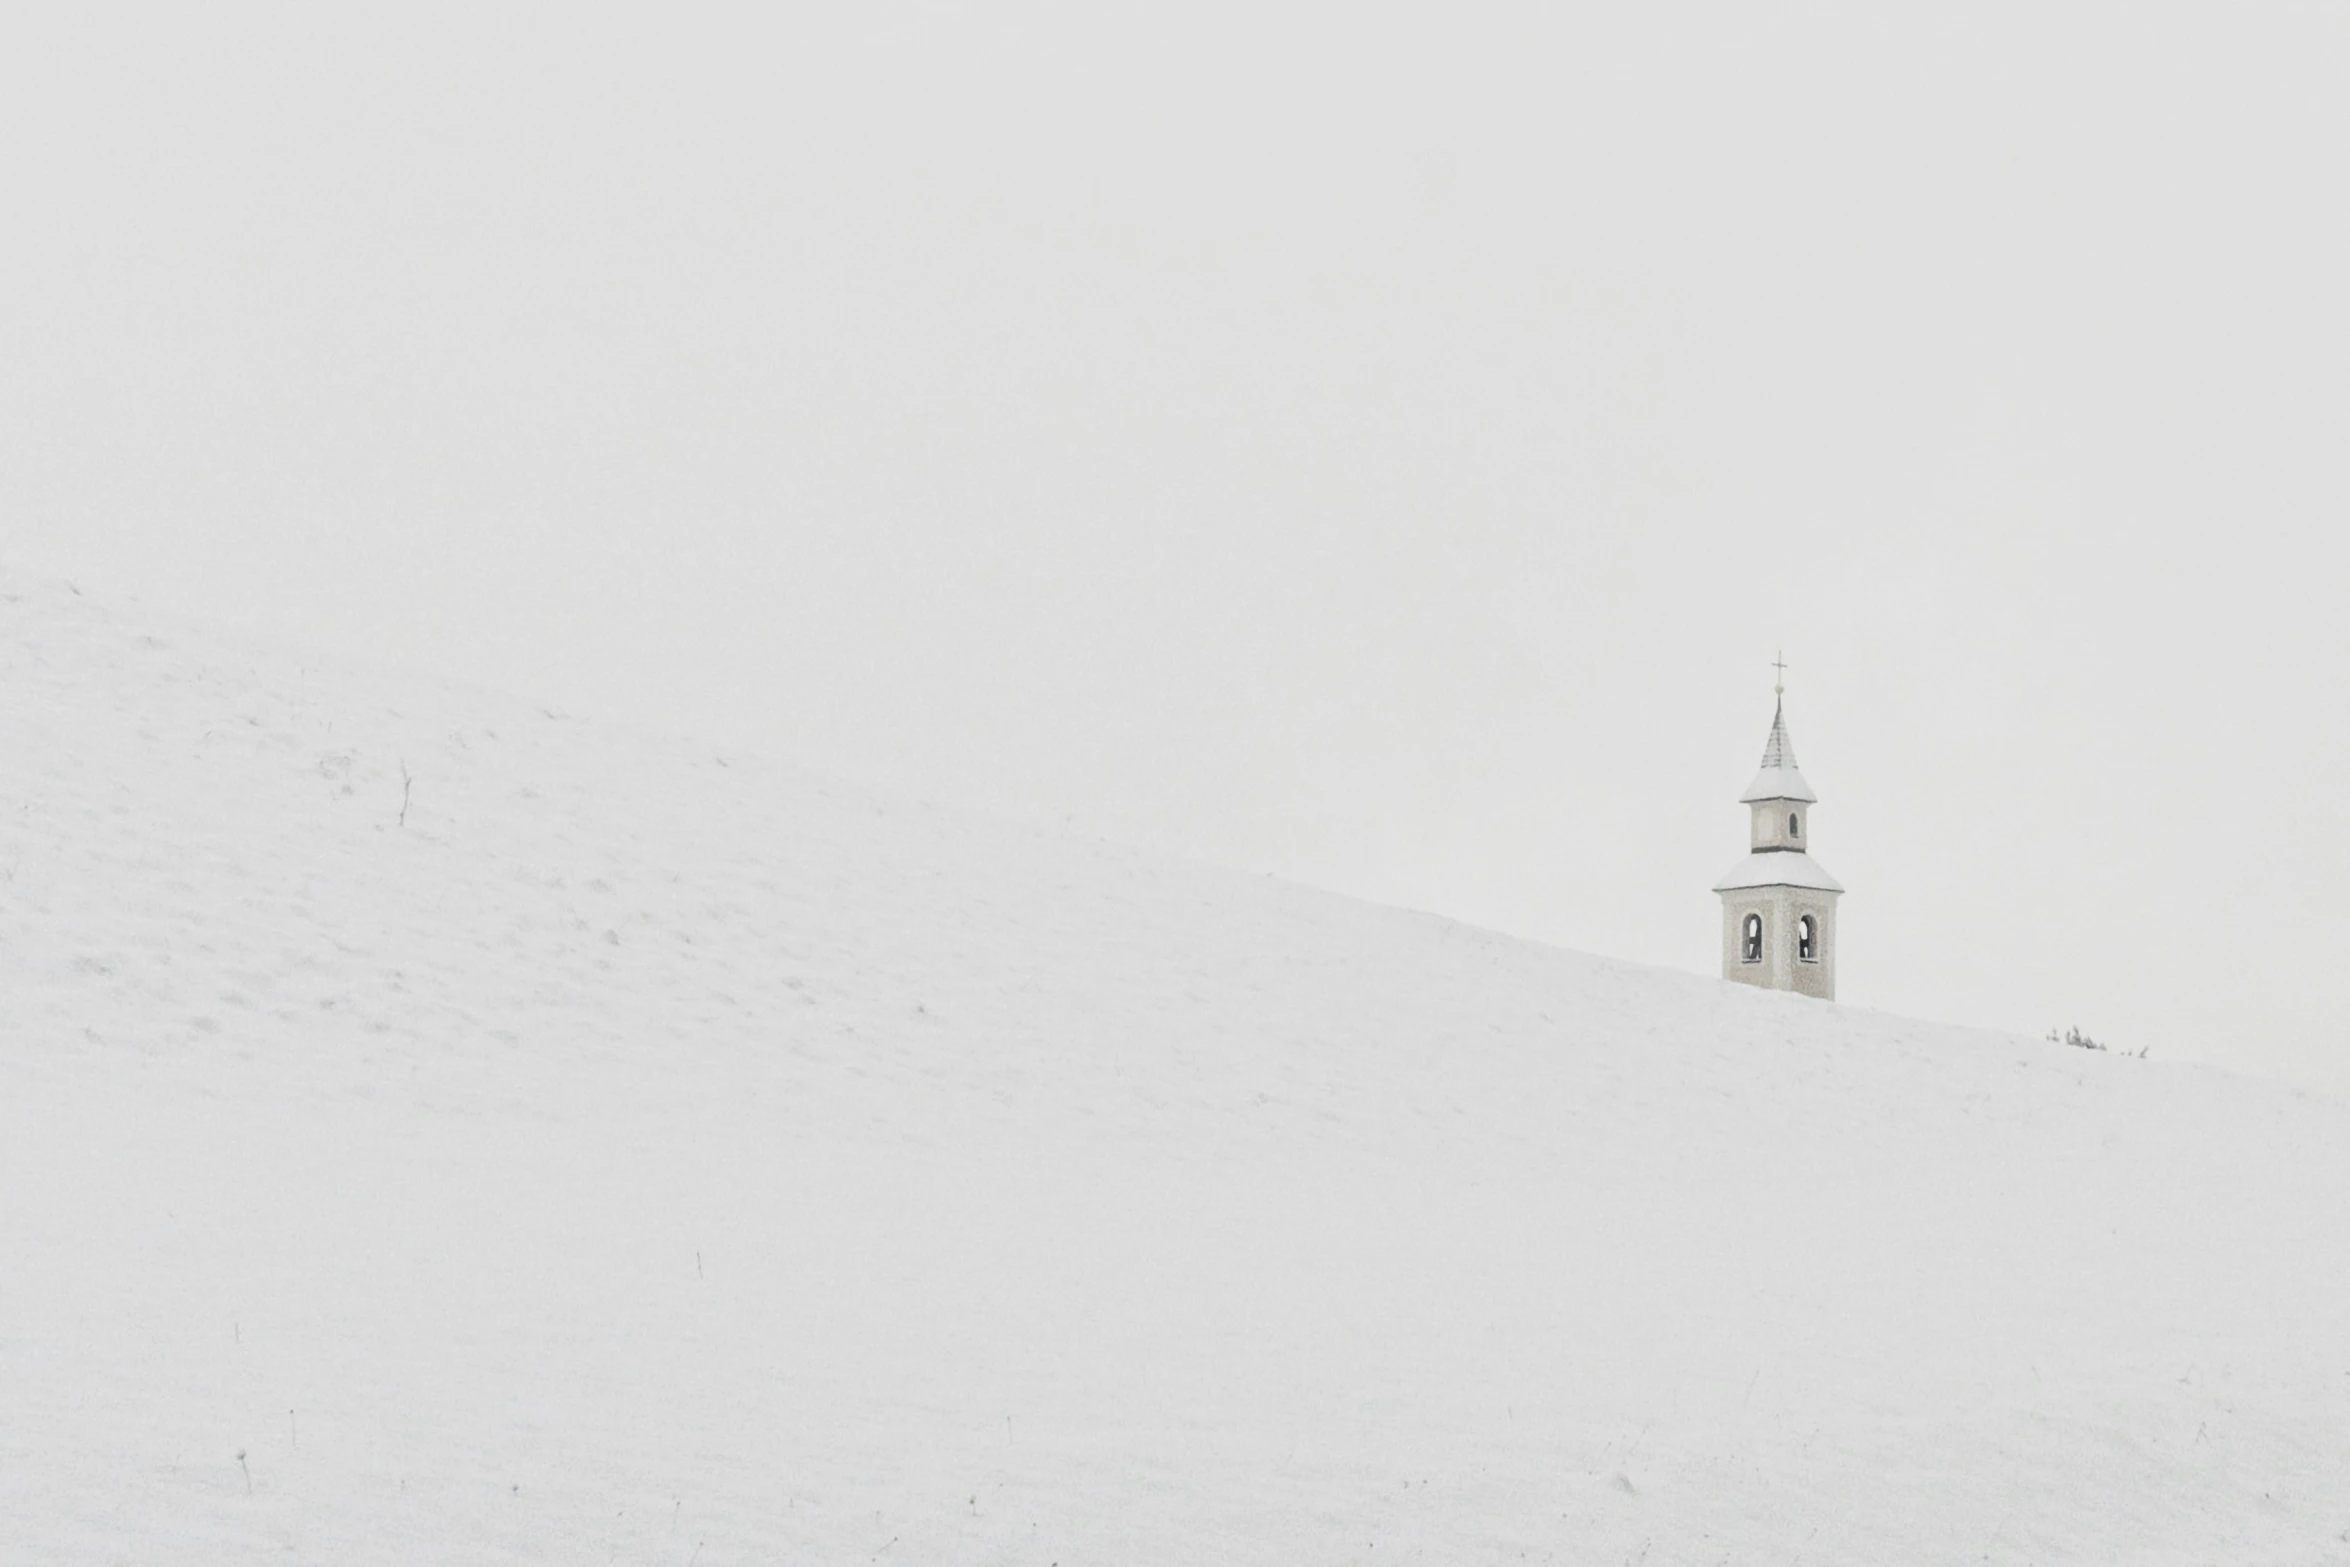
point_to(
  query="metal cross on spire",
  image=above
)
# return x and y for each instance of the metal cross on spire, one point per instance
(1779, 687)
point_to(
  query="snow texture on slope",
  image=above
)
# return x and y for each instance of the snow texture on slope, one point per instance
(650, 1155)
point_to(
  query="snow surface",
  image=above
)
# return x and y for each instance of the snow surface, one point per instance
(657, 1156)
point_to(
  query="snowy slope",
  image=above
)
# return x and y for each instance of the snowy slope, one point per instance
(650, 1155)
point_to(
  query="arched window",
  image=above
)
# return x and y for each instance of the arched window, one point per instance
(1807, 940)
(1794, 825)
(1750, 944)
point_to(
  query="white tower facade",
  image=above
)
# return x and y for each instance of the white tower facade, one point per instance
(1778, 905)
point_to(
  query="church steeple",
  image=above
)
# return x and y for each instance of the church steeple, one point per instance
(1778, 750)
(1778, 779)
(1778, 905)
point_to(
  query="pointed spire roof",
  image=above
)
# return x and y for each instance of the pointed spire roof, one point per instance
(1778, 779)
(1778, 750)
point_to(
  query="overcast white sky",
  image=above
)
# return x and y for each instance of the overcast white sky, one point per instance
(1383, 447)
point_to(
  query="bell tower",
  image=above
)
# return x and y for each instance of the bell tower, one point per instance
(1778, 906)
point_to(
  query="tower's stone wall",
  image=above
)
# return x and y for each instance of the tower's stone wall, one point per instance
(1780, 967)
(1769, 828)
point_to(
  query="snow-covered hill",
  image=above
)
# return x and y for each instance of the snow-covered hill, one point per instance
(652, 1155)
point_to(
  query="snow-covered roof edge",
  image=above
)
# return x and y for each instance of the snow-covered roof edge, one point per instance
(1778, 868)
(1778, 783)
